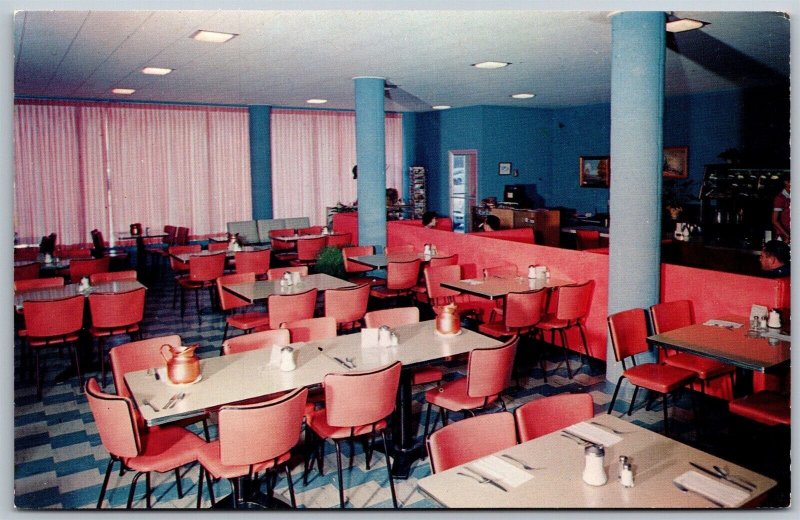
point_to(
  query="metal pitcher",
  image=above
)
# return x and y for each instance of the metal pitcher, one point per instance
(183, 366)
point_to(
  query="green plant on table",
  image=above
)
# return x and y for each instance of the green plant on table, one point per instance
(330, 261)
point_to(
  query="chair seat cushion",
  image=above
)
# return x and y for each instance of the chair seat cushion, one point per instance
(552, 323)
(660, 378)
(165, 449)
(209, 456)
(248, 320)
(453, 396)
(498, 329)
(704, 368)
(317, 421)
(382, 292)
(425, 375)
(770, 408)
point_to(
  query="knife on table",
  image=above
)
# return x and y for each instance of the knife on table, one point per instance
(717, 475)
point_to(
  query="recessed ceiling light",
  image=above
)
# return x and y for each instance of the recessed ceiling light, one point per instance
(212, 36)
(316, 101)
(157, 71)
(491, 64)
(684, 24)
(441, 107)
(123, 91)
(522, 95)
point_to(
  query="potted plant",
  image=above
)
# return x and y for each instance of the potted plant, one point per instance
(330, 261)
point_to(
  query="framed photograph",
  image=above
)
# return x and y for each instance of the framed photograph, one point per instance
(595, 171)
(504, 168)
(676, 162)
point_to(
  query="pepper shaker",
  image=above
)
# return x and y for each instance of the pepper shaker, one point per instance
(626, 476)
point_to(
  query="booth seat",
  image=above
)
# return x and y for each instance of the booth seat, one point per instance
(442, 223)
(257, 231)
(524, 235)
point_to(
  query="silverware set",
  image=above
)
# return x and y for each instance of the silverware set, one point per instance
(687, 490)
(346, 362)
(481, 479)
(174, 400)
(576, 438)
(609, 428)
(518, 461)
(725, 475)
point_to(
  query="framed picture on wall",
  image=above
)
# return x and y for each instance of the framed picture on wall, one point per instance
(504, 168)
(595, 171)
(676, 162)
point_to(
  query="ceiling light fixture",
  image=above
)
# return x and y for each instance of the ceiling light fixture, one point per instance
(684, 24)
(491, 64)
(441, 107)
(314, 101)
(212, 36)
(123, 91)
(156, 71)
(522, 95)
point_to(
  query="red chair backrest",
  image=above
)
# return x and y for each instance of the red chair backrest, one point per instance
(311, 329)
(392, 317)
(280, 245)
(347, 304)
(252, 261)
(277, 272)
(115, 421)
(524, 309)
(112, 276)
(182, 236)
(628, 333)
(671, 315)
(109, 310)
(206, 268)
(311, 230)
(78, 268)
(39, 316)
(171, 232)
(470, 439)
(285, 308)
(217, 246)
(259, 432)
(26, 253)
(443, 260)
(575, 301)
(402, 275)
(228, 300)
(401, 248)
(543, 416)
(587, 238)
(489, 369)
(361, 398)
(38, 283)
(501, 270)
(177, 265)
(256, 340)
(27, 271)
(349, 252)
(339, 240)
(437, 294)
(309, 249)
(138, 355)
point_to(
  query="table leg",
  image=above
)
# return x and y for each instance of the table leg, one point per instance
(141, 258)
(405, 451)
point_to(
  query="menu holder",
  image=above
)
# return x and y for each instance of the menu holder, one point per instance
(501, 471)
(713, 489)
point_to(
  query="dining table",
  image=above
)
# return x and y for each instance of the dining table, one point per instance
(381, 261)
(259, 290)
(296, 237)
(667, 474)
(229, 254)
(237, 377)
(73, 289)
(494, 287)
(141, 249)
(48, 268)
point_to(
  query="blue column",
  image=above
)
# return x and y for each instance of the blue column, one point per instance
(371, 159)
(637, 114)
(260, 161)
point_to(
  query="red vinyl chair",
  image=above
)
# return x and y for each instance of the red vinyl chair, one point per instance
(163, 449)
(245, 321)
(356, 404)
(311, 329)
(488, 374)
(443, 259)
(26, 254)
(574, 304)
(286, 308)
(522, 311)
(113, 276)
(283, 251)
(252, 438)
(217, 246)
(347, 305)
(401, 277)
(27, 271)
(667, 316)
(308, 250)
(256, 340)
(628, 331)
(470, 439)
(339, 240)
(203, 273)
(178, 267)
(355, 271)
(43, 330)
(310, 230)
(253, 262)
(400, 248)
(182, 236)
(502, 271)
(765, 407)
(38, 283)
(142, 355)
(587, 239)
(113, 314)
(277, 272)
(549, 414)
(80, 267)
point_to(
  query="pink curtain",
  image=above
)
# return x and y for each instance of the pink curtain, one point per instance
(107, 166)
(313, 153)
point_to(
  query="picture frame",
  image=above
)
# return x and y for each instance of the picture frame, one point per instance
(504, 168)
(594, 171)
(676, 162)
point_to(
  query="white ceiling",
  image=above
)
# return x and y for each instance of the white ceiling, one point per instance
(282, 58)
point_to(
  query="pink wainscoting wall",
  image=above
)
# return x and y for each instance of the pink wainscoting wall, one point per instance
(524, 235)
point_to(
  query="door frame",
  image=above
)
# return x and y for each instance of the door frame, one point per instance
(471, 195)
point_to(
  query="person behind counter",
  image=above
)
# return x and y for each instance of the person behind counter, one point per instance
(781, 212)
(775, 258)
(429, 219)
(492, 223)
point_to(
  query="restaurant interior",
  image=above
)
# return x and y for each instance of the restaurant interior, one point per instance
(401, 259)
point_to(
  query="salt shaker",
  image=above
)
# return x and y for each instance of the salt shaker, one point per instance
(774, 321)
(626, 475)
(287, 276)
(594, 472)
(531, 271)
(762, 323)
